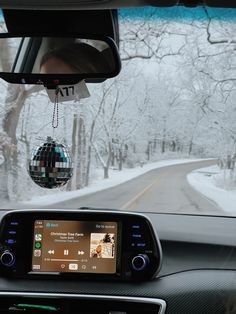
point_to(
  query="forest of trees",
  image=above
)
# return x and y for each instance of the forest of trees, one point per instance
(175, 97)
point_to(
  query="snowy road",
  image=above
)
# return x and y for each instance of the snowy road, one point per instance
(161, 190)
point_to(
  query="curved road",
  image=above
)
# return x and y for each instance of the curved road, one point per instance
(164, 190)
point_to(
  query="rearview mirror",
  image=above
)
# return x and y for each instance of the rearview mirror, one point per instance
(57, 60)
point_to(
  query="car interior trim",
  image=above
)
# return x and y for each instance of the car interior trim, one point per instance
(157, 301)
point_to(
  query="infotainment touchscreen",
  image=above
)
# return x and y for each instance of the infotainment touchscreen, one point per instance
(75, 246)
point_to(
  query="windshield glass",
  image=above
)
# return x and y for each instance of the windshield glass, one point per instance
(160, 137)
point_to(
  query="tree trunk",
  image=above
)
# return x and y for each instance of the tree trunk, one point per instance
(4, 167)
(89, 156)
(14, 171)
(120, 160)
(27, 148)
(14, 104)
(155, 145)
(64, 125)
(78, 153)
(106, 172)
(79, 178)
(88, 165)
(190, 148)
(81, 155)
(72, 183)
(16, 96)
(163, 146)
(163, 142)
(106, 167)
(148, 152)
(112, 158)
(84, 153)
(173, 146)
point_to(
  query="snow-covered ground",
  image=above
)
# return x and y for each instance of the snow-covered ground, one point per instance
(100, 184)
(206, 181)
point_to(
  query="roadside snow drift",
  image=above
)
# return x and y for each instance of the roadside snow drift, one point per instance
(205, 181)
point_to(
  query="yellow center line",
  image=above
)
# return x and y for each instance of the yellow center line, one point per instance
(133, 201)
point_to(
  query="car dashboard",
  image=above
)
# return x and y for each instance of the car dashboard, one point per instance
(154, 262)
(187, 266)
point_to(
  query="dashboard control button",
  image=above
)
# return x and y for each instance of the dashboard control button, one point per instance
(73, 266)
(12, 232)
(136, 227)
(136, 235)
(14, 223)
(10, 241)
(7, 258)
(141, 244)
(140, 262)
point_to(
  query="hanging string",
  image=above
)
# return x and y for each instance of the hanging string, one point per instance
(55, 116)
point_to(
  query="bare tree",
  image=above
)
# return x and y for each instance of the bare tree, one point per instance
(16, 96)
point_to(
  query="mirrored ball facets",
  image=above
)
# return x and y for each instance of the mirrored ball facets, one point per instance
(50, 165)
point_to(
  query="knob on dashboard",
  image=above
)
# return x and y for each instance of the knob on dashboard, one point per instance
(140, 262)
(7, 258)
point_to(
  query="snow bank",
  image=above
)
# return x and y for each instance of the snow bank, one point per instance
(204, 181)
(100, 184)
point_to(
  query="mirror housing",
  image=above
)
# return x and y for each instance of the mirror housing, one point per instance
(104, 22)
(97, 58)
(64, 23)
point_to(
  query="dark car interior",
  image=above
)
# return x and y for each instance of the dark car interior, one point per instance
(158, 262)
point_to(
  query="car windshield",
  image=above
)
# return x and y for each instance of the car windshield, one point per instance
(160, 137)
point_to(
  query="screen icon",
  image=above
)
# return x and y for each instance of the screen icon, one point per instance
(38, 237)
(73, 266)
(37, 253)
(38, 245)
(36, 267)
(80, 252)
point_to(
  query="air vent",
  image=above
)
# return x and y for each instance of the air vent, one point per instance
(61, 303)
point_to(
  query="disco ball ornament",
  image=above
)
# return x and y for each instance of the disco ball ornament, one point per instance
(50, 165)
